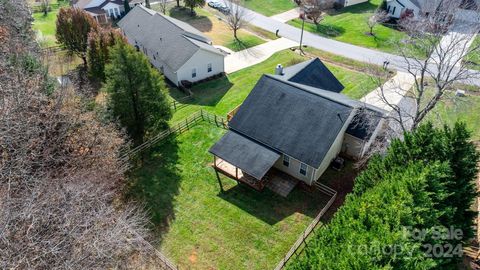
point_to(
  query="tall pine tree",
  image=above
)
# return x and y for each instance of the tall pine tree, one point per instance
(137, 93)
(99, 44)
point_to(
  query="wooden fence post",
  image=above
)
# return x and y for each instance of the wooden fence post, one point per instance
(174, 105)
(186, 122)
(201, 114)
(216, 123)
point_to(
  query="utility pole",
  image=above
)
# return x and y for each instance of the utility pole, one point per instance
(302, 17)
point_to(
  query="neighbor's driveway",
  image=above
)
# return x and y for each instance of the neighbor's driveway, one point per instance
(287, 15)
(252, 56)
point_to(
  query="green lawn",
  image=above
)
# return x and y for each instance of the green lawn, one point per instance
(223, 95)
(45, 25)
(350, 25)
(270, 7)
(473, 58)
(215, 29)
(465, 109)
(198, 227)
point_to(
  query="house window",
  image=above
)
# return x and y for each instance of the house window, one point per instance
(388, 9)
(286, 160)
(117, 12)
(194, 73)
(394, 9)
(303, 169)
(209, 68)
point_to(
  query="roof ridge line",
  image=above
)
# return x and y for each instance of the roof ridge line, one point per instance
(298, 86)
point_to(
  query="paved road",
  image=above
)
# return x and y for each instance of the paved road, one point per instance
(336, 47)
(321, 43)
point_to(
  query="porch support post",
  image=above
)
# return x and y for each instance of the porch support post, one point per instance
(219, 181)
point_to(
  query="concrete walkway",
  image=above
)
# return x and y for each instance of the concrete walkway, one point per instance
(252, 56)
(287, 15)
(392, 92)
(457, 41)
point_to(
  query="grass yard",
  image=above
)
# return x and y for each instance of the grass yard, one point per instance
(45, 25)
(474, 57)
(214, 28)
(223, 95)
(350, 25)
(201, 228)
(269, 7)
(453, 108)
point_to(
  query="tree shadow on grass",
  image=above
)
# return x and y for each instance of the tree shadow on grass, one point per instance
(156, 183)
(270, 207)
(358, 8)
(209, 93)
(200, 22)
(329, 30)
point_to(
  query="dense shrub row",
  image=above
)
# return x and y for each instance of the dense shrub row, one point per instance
(403, 207)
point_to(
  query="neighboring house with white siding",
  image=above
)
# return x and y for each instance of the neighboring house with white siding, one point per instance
(401, 8)
(103, 10)
(347, 3)
(178, 50)
(298, 122)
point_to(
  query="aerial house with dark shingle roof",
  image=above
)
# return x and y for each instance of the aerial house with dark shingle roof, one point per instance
(178, 50)
(295, 128)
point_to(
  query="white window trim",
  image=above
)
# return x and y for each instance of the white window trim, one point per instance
(209, 67)
(194, 72)
(306, 169)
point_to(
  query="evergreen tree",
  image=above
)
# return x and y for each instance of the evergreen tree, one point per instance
(424, 181)
(99, 44)
(428, 144)
(463, 161)
(137, 93)
(73, 26)
(126, 6)
(192, 4)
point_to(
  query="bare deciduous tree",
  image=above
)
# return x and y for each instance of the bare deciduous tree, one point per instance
(314, 8)
(379, 16)
(59, 174)
(163, 6)
(236, 19)
(432, 58)
(45, 6)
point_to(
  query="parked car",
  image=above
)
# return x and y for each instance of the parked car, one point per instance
(219, 6)
(224, 9)
(214, 4)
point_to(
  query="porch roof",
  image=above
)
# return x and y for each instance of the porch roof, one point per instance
(251, 157)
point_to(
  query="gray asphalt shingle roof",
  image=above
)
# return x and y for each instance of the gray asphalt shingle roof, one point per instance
(313, 73)
(252, 158)
(293, 119)
(173, 42)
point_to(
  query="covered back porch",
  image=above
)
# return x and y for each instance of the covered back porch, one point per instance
(249, 163)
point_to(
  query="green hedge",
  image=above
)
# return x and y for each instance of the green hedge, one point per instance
(423, 182)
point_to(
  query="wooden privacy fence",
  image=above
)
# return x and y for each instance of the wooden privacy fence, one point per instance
(301, 242)
(177, 128)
